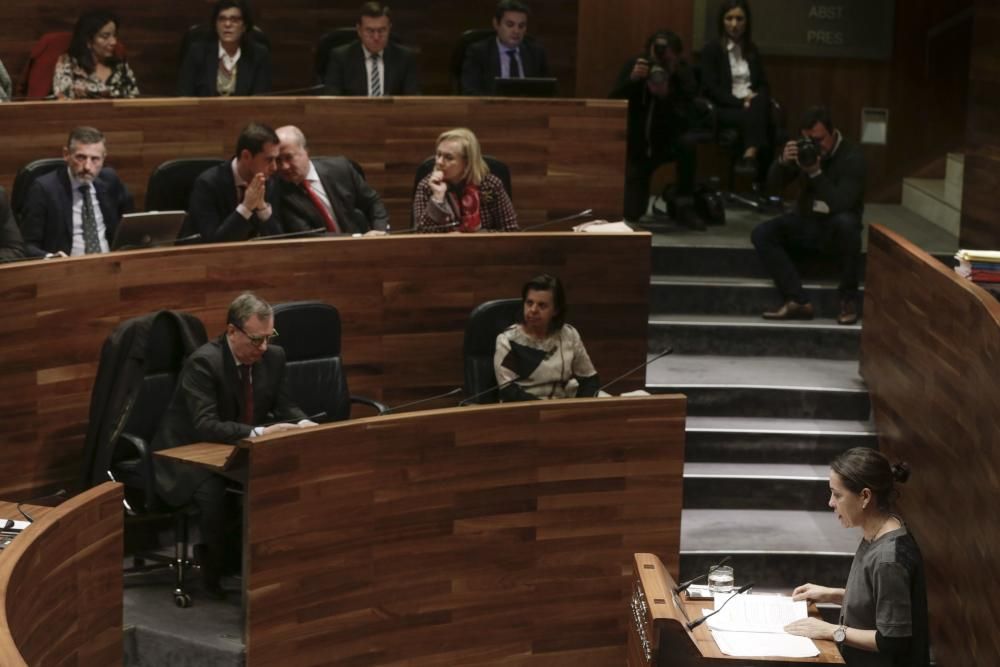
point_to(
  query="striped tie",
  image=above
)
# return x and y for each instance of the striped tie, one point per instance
(375, 85)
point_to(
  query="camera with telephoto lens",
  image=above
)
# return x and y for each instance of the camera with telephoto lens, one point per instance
(660, 50)
(808, 151)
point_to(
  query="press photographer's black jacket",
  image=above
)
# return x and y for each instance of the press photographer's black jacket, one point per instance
(841, 182)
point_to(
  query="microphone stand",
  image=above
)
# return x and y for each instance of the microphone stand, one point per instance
(456, 390)
(479, 394)
(659, 356)
(289, 235)
(586, 213)
(694, 624)
(157, 244)
(687, 584)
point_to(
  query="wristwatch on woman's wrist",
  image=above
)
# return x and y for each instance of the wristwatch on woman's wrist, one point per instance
(840, 634)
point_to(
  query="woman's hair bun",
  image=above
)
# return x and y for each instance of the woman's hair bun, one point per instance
(901, 471)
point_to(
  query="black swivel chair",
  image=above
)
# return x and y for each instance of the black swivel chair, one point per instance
(170, 184)
(486, 321)
(468, 38)
(131, 394)
(26, 175)
(309, 332)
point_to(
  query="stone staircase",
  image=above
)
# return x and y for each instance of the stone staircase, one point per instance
(770, 404)
(935, 199)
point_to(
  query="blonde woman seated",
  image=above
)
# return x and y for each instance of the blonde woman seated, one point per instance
(461, 195)
(90, 69)
(543, 357)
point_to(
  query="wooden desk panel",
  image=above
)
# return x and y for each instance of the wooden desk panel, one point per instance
(564, 155)
(403, 300)
(61, 584)
(930, 346)
(460, 536)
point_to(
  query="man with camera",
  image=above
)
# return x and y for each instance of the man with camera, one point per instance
(660, 88)
(831, 175)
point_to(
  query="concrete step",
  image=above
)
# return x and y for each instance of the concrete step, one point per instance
(742, 261)
(767, 440)
(777, 549)
(735, 335)
(927, 197)
(953, 178)
(731, 296)
(759, 386)
(762, 486)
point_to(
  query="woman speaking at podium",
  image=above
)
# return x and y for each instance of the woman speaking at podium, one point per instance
(883, 618)
(542, 356)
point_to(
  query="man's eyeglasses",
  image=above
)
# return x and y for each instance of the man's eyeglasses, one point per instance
(257, 341)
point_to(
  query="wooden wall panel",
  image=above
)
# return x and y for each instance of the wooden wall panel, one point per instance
(152, 34)
(486, 535)
(564, 156)
(403, 301)
(61, 584)
(929, 351)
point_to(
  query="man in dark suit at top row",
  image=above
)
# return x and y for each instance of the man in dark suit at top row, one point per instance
(373, 66)
(75, 211)
(505, 56)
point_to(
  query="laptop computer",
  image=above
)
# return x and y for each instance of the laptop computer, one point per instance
(540, 86)
(147, 230)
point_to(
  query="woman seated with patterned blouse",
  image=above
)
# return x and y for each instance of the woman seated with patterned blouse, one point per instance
(89, 69)
(461, 195)
(543, 357)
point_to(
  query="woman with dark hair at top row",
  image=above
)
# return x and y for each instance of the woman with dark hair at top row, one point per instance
(883, 616)
(542, 356)
(90, 68)
(230, 62)
(733, 79)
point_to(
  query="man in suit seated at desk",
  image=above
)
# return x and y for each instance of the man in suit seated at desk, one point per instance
(233, 201)
(326, 193)
(75, 211)
(228, 389)
(373, 66)
(507, 56)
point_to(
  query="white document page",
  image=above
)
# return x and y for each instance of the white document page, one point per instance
(753, 626)
(761, 644)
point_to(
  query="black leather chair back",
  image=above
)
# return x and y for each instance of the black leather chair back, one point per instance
(170, 184)
(26, 175)
(486, 321)
(468, 38)
(309, 332)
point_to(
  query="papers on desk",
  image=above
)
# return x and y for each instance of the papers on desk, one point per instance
(752, 626)
(603, 226)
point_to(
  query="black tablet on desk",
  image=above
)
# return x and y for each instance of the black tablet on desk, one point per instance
(147, 230)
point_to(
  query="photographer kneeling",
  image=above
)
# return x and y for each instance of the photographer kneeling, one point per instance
(827, 219)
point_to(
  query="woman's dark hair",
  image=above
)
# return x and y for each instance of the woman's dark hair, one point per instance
(865, 468)
(86, 28)
(726, 7)
(245, 12)
(547, 283)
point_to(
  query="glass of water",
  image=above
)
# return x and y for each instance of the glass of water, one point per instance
(720, 580)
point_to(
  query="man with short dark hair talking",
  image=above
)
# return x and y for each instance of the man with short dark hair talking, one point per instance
(227, 390)
(233, 201)
(373, 66)
(831, 173)
(76, 210)
(324, 193)
(505, 56)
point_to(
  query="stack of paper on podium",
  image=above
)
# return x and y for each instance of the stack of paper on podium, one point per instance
(753, 626)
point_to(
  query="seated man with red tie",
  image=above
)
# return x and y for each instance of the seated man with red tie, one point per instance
(233, 201)
(508, 55)
(227, 390)
(75, 211)
(324, 193)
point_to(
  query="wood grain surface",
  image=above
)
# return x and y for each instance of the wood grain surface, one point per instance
(461, 536)
(929, 352)
(657, 617)
(564, 155)
(61, 584)
(403, 302)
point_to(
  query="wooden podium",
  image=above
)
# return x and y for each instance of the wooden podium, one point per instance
(462, 536)
(658, 634)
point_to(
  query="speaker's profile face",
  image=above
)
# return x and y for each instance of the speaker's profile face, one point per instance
(847, 505)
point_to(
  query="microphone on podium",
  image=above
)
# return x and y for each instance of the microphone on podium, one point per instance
(624, 375)
(148, 242)
(479, 394)
(680, 588)
(695, 623)
(319, 231)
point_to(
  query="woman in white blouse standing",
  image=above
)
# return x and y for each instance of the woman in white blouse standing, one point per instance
(733, 79)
